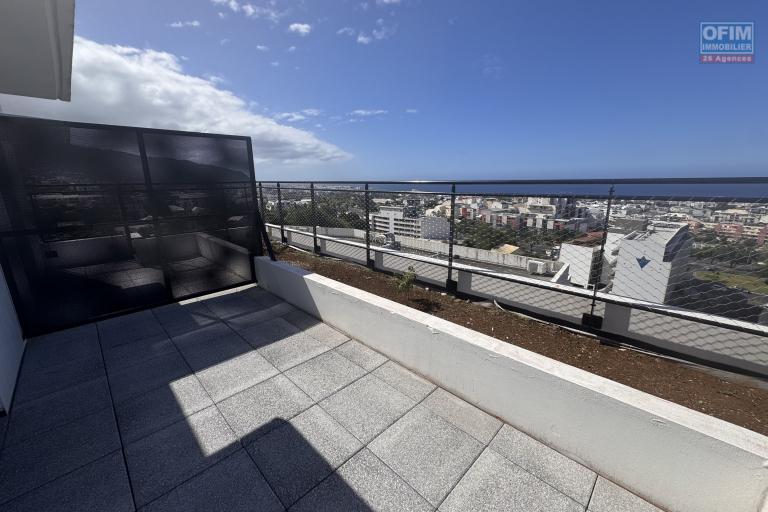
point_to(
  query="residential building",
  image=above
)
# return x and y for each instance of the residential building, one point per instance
(405, 221)
(650, 264)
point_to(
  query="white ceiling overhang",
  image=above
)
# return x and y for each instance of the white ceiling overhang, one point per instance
(36, 48)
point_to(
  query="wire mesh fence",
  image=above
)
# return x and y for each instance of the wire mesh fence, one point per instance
(578, 252)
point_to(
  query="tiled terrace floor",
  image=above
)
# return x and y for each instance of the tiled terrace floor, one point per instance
(242, 402)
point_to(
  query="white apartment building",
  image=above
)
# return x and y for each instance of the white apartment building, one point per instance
(651, 263)
(402, 221)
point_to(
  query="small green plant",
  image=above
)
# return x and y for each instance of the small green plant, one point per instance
(405, 282)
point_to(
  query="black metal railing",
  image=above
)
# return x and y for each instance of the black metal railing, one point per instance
(691, 249)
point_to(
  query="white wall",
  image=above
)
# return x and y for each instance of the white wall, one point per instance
(680, 459)
(11, 345)
(579, 258)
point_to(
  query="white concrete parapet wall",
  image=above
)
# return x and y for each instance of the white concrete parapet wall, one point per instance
(680, 459)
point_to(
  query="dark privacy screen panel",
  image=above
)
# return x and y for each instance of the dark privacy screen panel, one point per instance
(196, 159)
(90, 228)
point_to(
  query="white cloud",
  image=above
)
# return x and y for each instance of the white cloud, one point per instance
(387, 2)
(275, 63)
(290, 117)
(234, 5)
(363, 38)
(382, 30)
(262, 48)
(367, 113)
(346, 31)
(411, 111)
(491, 66)
(302, 29)
(138, 87)
(181, 24)
(291, 49)
(222, 15)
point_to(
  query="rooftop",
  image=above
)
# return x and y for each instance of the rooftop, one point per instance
(241, 401)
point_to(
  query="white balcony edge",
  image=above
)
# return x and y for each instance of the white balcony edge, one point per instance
(675, 457)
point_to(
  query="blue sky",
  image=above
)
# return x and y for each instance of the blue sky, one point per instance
(420, 89)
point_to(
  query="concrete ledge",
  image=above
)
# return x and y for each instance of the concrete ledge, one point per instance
(680, 459)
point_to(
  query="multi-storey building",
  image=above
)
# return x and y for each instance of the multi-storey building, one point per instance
(405, 221)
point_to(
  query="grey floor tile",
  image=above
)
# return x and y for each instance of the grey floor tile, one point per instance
(316, 328)
(36, 383)
(143, 377)
(139, 351)
(467, 417)
(562, 473)
(62, 347)
(252, 413)
(404, 380)
(154, 410)
(231, 305)
(609, 497)
(177, 319)
(247, 320)
(160, 461)
(232, 485)
(427, 452)
(363, 484)
(361, 355)
(494, 484)
(293, 350)
(269, 331)
(263, 298)
(202, 354)
(327, 334)
(45, 457)
(56, 409)
(128, 328)
(297, 455)
(300, 319)
(101, 486)
(325, 374)
(231, 376)
(366, 407)
(200, 336)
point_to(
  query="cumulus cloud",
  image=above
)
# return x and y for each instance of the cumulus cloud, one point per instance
(302, 29)
(262, 48)
(387, 2)
(135, 87)
(181, 24)
(363, 38)
(346, 31)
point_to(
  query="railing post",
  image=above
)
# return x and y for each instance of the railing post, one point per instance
(368, 261)
(316, 247)
(450, 284)
(261, 202)
(280, 215)
(590, 319)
